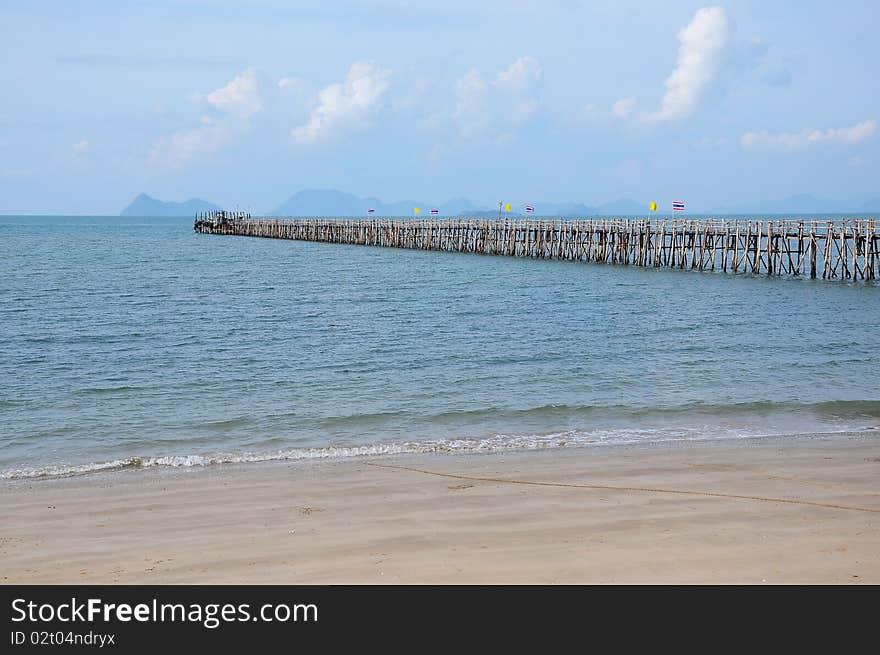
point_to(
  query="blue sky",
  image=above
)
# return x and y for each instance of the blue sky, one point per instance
(244, 103)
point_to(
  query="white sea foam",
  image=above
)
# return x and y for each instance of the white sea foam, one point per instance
(492, 444)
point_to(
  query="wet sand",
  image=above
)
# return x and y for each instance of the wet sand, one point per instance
(599, 515)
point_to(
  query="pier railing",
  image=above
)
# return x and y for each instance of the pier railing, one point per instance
(846, 250)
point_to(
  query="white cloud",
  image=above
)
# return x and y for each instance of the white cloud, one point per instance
(623, 107)
(472, 103)
(348, 105)
(520, 76)
(238, 101)
(702, 41)
(522, 111)
(518, 86)
(508, 101)
(186, 145)
(809, 137)
(291, 83)
(80, 147)
(240, 97)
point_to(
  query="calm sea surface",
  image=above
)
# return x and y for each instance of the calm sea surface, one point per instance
(135, 342)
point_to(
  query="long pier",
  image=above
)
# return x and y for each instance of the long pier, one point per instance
(842, 250)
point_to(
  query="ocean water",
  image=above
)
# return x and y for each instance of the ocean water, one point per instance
(135, 342)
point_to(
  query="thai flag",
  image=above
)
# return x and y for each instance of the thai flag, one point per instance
(530, 209)
(371, 211)
(677, 205)
(435, 211)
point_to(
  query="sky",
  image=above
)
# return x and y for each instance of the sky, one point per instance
(243, 103)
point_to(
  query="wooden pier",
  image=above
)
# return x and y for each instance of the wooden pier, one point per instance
(843, 250)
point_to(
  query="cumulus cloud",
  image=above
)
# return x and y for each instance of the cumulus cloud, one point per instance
(186, 145)
(702, 42)
(809, 137)
(346, 106)
(237, 101)
(518, 86)
(520, 76)
(471, 103)
(240, 97)
(291, 83)
(508, 101)
(623, 107)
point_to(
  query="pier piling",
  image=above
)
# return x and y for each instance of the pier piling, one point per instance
(849, 250)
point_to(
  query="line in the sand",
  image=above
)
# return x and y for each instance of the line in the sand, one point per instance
(608, 487)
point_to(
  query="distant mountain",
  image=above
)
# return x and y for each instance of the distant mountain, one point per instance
(487, 213)
(805, 203)
(332, 202)
(622, 206)
(576, 209)
(562, 209)
(324, 202)
(145, 205)
(801, 203)
(457, 206)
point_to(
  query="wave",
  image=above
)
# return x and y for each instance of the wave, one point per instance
(494, 444)
(826, 409)
(834, 408)
(849, 408)
(110, 390)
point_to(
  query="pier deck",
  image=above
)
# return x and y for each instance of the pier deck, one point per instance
(843, 250)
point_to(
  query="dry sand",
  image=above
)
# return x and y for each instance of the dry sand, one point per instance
(350, 521)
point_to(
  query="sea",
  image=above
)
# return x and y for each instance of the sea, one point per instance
(134, 342)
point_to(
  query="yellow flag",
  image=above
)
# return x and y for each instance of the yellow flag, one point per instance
(653, 206)
(507, 207)
(417, 210)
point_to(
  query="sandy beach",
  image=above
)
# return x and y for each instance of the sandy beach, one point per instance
(758, 511)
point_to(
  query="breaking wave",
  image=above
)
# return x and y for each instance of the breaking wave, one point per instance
(493, 444)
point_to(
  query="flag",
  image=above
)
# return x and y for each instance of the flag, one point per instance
(371, 211)
(417, 210)
(530, 209)
(507, 207)
(653, 206)
(435, 211)
(678, 205)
